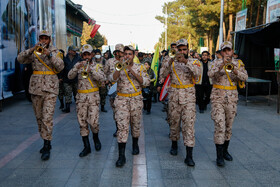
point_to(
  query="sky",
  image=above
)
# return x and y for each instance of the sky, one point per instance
(127, 21)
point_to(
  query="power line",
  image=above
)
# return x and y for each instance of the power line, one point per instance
(106, 13)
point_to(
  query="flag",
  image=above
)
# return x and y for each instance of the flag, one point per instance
(155, 63)
(94, 30)
(136, 60)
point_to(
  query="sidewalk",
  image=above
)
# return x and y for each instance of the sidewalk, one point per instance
(254, 146)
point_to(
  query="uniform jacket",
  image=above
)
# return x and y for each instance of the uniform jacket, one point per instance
(220, 78)
(40, 84)
(95, 75)
(187, 73)
(124, 85)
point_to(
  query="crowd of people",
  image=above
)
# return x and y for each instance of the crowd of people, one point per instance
(88, 75)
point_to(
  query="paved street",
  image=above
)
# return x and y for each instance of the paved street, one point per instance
(255, 147)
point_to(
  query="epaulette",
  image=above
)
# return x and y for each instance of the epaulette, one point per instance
(197, 63)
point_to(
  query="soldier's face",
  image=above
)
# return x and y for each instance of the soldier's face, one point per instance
(87, 56)
(227, 53)
(183, 49)
(128, 55)
(173, 47)
(147, 66)
(45, 39)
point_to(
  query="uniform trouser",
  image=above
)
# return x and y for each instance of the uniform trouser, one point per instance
(185, 113)
(70, 88)
(128, 111)
(103, 93)
(223, 115)
(44, 109)
(61, 91)
(203, 93)
(88, 114)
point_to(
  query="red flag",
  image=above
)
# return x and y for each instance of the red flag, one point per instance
(94, 30)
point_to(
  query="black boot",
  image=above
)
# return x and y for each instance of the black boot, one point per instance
(115, 134)
(220, 160)
(67, 108)
(46, 150)
(226, 155)
(42, 149)
(103, 109)
(61, 104)
(189, 160)
(121, 161)
(96, 141)
(174, 148)
(135, 147)
(86, 149)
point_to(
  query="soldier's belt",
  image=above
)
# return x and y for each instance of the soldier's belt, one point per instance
(181, 86)
(129, 95)
(88, 91)
(224, 87)
(43, 73)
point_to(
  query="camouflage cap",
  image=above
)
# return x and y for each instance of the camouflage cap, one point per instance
(129, 47)
(87, 48)
(226, 44)
(44, 33)
(182, 42)
(119, 47)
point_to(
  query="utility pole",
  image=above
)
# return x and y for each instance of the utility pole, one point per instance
(166, 28)
(221, 23)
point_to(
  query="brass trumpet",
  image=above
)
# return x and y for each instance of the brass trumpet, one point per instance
(229, 67)
(40, 49)
(172, 53)
(121, 65)
(84, 72)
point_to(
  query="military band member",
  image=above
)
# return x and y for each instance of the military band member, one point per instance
(109, 68)
(181, 104)
(87, 98)
(227, 73)
(44, 85)
(129, 102)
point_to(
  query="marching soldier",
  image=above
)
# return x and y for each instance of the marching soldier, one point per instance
(87, 98)
(44, 84)
(226, 74)
(109, 69)
(102, 85)
(129, 102)
(181, 104)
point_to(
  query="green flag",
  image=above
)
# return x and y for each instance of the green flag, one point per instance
(155, 63)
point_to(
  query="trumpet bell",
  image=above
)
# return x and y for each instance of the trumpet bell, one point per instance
(229, 67)
(84, 74)
(39, 50)
(172, 53)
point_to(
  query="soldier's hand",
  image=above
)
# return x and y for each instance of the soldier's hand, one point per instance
(47, 52)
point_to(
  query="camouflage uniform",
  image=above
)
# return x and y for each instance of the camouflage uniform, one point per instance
(70, 87)
(87, 101)
(43, 87)
(181, 104)
(129, 109)
(224, 101)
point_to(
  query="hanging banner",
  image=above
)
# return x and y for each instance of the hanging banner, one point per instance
(272, 12)
(240, 23)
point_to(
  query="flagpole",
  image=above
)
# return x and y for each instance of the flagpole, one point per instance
(221, 23)
(165, 28)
